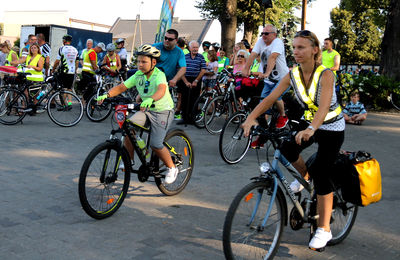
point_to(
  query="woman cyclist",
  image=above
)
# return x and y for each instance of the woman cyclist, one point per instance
(324, 124)
(152, 86)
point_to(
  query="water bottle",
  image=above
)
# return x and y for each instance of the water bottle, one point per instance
(142, 145)
(41, 94)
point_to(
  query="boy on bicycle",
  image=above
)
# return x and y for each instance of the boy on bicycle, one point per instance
(152, 86)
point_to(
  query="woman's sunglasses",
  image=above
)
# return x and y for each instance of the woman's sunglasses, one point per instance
(303, 33)
(240, 56)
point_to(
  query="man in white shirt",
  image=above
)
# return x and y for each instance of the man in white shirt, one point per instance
(273, 64)
(67, 64)
(274, 68)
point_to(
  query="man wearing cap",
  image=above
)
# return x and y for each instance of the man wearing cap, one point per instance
(123, 55)
(88, 81)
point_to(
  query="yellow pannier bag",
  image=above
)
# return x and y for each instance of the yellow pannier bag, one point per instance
(369, 175)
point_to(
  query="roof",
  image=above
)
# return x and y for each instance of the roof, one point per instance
(189, 29)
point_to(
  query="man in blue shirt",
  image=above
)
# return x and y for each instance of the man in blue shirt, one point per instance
(190, 85)
(172, 60)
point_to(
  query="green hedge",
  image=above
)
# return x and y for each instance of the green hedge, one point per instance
(374, 90)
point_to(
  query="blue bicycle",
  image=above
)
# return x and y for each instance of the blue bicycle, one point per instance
(256, 217)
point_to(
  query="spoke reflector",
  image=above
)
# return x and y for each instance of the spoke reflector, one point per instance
(185, 151)
(110, 201)
(248, 197)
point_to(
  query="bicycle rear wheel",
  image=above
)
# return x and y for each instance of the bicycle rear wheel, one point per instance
(67, 109)
(343, 216)
(233, 145)
(216, 114)
(96, 112)
(102, 185)
(181, 150)
(245, 235)
(13, 104)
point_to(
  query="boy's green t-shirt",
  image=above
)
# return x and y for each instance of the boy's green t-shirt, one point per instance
(147, 88)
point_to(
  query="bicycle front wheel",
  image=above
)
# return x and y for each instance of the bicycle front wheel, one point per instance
(102, 184)
(13, 105)
(96, 112)
(233, 145)
(181, 151)
(249, 231)
(199, 108)
(216, 114)
(65, 108)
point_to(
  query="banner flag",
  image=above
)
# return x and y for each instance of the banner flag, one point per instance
(167, 13)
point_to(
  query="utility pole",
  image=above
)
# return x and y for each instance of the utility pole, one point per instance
(303, 15)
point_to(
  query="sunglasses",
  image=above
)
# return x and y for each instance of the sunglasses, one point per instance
(265, 33)
(146, 87)
(169, 39)
(240, 56)
(303, 33)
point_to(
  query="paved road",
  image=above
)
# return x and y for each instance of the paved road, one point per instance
(41, 217)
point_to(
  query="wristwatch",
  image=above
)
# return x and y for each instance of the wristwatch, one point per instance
(311, 127)
(196, 80)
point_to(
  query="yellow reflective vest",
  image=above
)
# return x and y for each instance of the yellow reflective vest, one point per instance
(9, 57)
(35, 75)
(87, 65)
(310, 97)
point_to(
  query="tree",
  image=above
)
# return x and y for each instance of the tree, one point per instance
(225, 12)
(250, 14)
(359, 27)
(390, 59)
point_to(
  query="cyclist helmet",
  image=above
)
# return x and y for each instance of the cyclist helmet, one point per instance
(148, 50)
(110, 47)
(120, 40)
(67, 38)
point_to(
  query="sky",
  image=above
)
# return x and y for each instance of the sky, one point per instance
(106, 12)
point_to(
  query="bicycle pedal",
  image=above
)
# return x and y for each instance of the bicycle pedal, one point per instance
(317, 249)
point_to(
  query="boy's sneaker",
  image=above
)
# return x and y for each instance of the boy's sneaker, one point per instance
(177, 116)
(171, 175)
(281, 122)
(296, 186)
(320, 239)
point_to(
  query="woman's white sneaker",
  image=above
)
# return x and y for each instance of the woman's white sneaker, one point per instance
(320, 239)
(171, 175)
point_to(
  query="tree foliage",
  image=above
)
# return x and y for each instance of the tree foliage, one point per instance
(250, 16)
(359, 27)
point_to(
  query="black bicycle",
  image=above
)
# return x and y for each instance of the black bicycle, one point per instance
(103, 184)
(63, 107)
(99, 112)
(257, 215)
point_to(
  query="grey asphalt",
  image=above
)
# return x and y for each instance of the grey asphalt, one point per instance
(41, 216)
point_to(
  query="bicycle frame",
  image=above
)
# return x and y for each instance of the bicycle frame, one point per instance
(277, 176)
